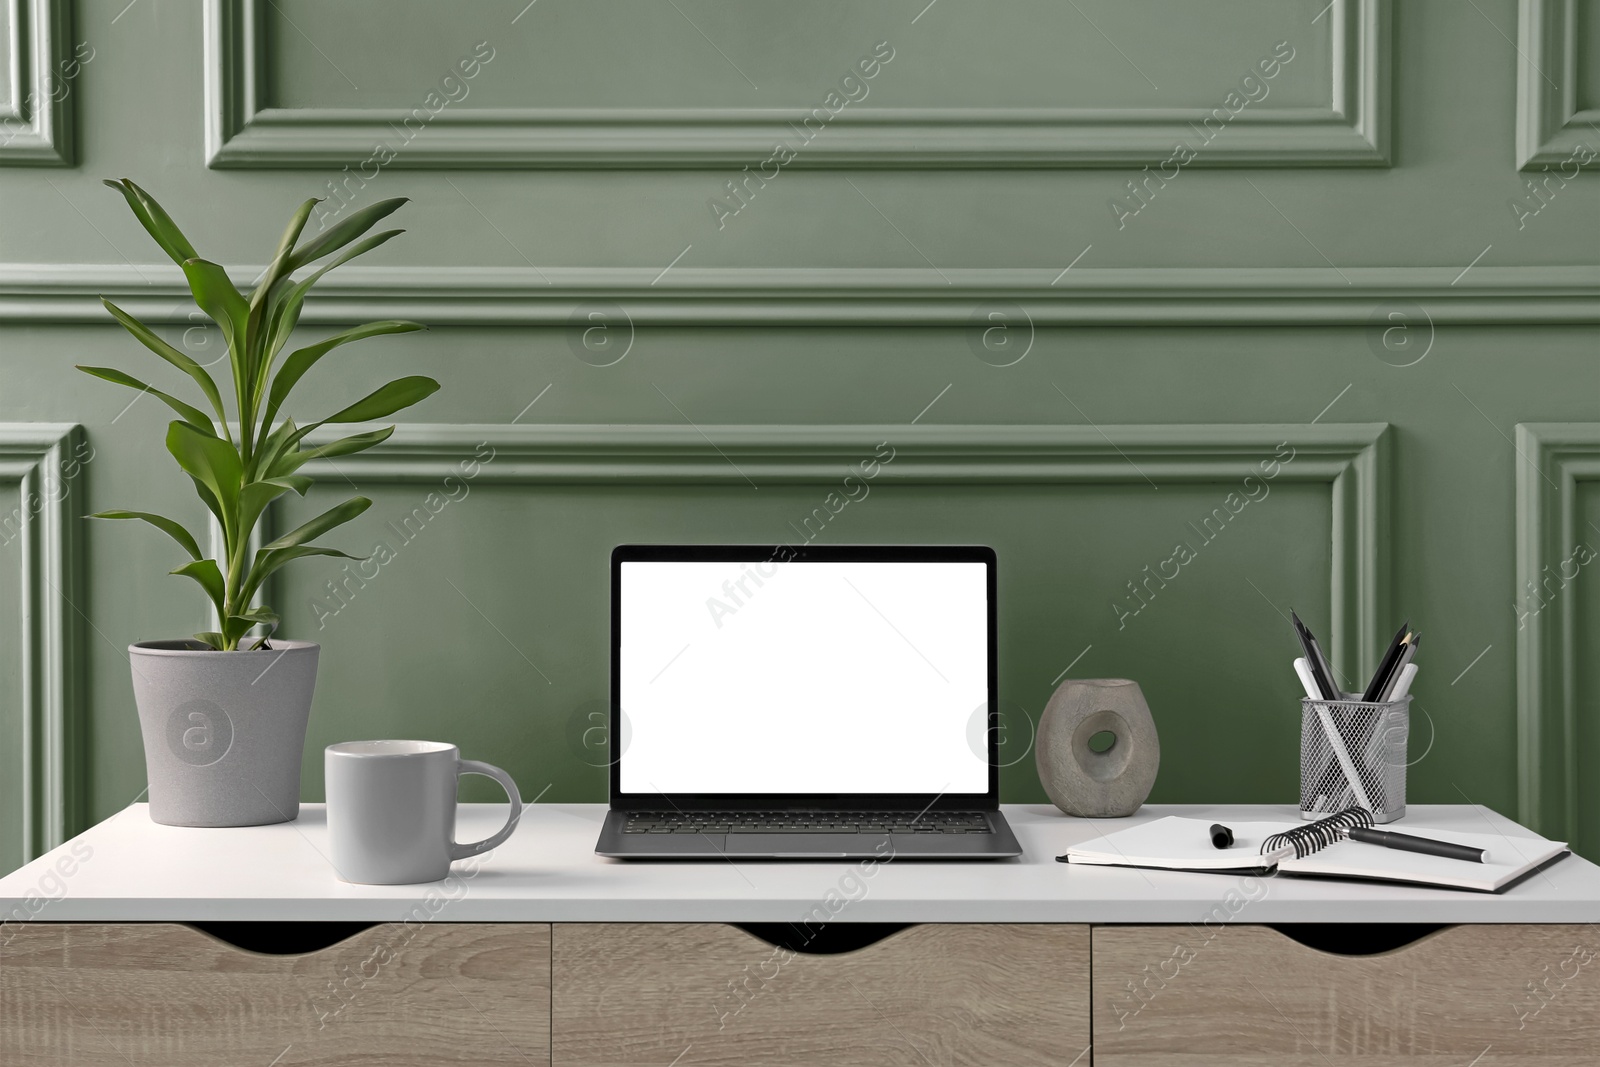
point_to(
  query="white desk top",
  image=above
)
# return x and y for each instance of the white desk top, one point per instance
(130, 869)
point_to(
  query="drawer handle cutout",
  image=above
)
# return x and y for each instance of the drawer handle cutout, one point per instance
(282, 938)
(821, 939)
(1356, 939)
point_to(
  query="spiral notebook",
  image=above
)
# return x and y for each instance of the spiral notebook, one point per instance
(1318, 850)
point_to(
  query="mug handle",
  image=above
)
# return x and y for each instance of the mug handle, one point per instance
(488, 770)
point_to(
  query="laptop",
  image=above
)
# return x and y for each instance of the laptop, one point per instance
(776, 702)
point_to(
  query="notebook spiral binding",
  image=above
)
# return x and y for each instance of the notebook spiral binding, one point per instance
(1316, 836)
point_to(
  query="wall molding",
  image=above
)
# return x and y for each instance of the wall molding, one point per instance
(36, 125)
(1553, 458)
(44, 462)
(1353, 460)
(1549, 125)
(770, 296)
(240, 132)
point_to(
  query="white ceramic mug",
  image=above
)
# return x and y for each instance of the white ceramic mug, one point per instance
(392, 809)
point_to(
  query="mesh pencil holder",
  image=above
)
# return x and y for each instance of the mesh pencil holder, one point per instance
(1353, 753)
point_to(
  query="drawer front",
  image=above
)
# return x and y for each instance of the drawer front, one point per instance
(699, 994)
(1248, 996)
(131, 995)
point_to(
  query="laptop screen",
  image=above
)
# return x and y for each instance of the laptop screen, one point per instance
(833, 676)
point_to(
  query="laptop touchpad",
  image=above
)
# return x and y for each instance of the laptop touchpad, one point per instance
(822, 846)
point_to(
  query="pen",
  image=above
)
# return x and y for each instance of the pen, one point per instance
(1427, 846)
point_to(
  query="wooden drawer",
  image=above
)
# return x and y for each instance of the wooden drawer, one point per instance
(697, 994)
(137, 994)
(1489, 996)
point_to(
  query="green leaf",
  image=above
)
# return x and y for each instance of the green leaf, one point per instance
(209, 499)
(233, 628)
(286, 314)
(303, 359)
(172, 529)
(261, 300)
(344, 446)
(262, 617)
(155, 220)
(255, 496)
(213, 463)
(279, 267)
(206, 572)
(337, 515)
(298, 482)
(267, 562)
(212, 638)
(357, 442)
(345, 232)
(215, 293)
(218, 298)
(386, 400)
(191, 414)
(266, 459)
(178, 359)
(244, 621)
(253, 500)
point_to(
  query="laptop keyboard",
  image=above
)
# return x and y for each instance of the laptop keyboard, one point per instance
(805, 822)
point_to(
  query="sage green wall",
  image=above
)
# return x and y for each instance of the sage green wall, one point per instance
(852, 300)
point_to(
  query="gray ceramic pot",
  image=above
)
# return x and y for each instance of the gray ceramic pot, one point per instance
(223, 731)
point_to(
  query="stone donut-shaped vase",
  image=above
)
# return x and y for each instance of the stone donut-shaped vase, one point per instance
(1092, 784)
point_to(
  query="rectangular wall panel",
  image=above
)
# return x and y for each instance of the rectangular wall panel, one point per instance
(483, 600)
(626, 83)
(1558, 63)
(41, 738)
(38, 64)
(1558, 548)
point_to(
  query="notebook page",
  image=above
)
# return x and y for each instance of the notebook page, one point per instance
(1510, 858)
(1177, 843)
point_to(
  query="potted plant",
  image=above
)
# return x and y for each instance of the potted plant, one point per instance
(223, 715)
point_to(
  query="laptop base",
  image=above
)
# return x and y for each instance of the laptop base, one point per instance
(999, 843)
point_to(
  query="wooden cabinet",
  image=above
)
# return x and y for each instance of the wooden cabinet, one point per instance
(165, 995)
(1248, 996)
(710, 994)
(714, 995)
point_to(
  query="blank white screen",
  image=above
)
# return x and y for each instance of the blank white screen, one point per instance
(804, 677)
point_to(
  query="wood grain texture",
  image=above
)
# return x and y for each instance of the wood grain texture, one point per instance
(167, 995)
(1490, 996)
(699, 994)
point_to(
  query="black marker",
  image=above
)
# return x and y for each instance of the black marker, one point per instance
(1427, 846)
(1221, 836)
